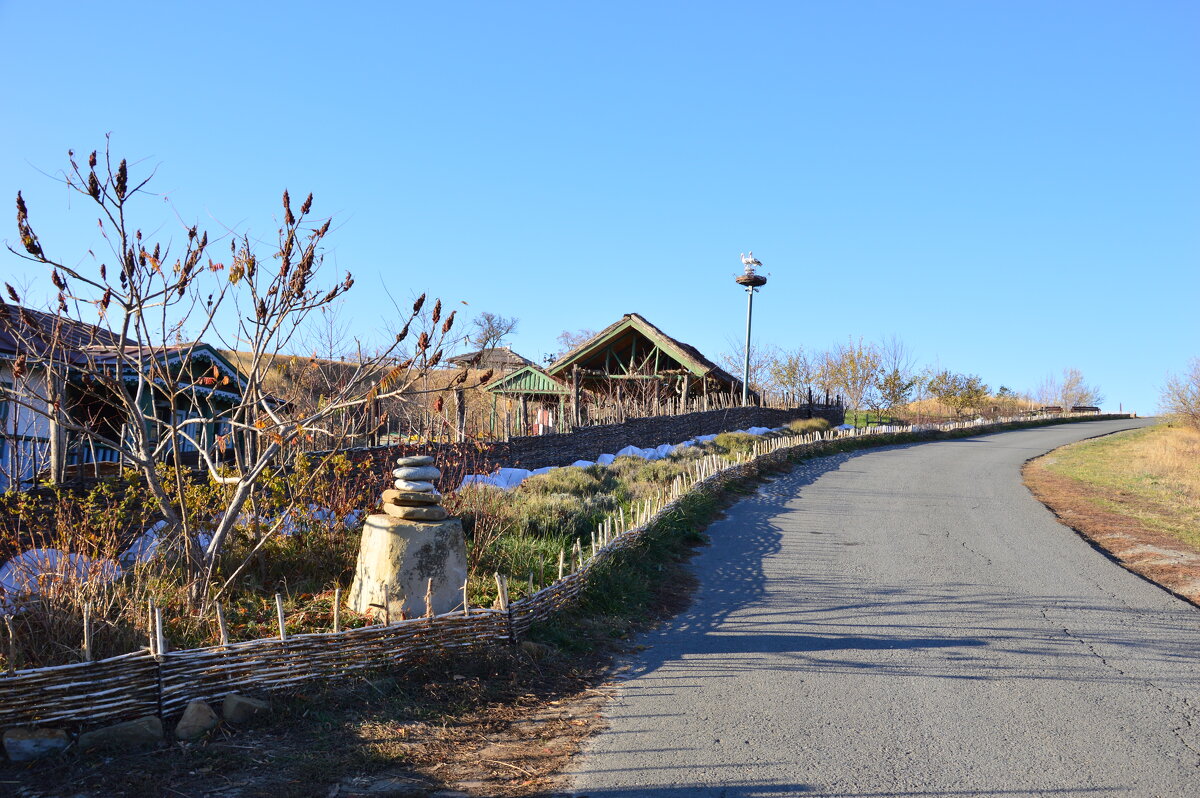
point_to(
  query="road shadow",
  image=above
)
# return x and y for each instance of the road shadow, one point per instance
(764, 790)
(952, 630)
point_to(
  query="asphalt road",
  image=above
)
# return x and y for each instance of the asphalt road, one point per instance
(909, 621)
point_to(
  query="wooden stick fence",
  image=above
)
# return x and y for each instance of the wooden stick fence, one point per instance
(158, 681)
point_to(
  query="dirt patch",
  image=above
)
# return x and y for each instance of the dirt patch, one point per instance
(501, 723)
(1160, 558)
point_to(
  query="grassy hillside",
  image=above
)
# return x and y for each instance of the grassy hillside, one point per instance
(1150, 474)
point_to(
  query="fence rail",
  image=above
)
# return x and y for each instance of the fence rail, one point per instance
(141, 683)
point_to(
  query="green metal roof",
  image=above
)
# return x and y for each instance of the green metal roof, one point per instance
(528, 380)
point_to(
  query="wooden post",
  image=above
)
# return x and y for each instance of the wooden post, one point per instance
(429, 598)
(576, 420)
(150, 625)
(460, 409)
(523, 427)
(221, 627)
(12, 644)
(502, 590)
(466, 601)
(279, 616)
(87, 632)
(562, 561)
(160, 640)
(337, 609)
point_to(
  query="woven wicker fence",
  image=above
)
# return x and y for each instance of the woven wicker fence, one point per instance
(136, 684)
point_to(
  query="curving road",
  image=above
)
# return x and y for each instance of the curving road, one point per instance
(909, 621)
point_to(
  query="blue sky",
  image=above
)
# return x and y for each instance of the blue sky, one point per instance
(1009, 187)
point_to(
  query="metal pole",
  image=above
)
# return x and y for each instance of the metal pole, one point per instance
(746, 366)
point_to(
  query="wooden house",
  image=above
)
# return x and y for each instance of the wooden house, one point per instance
(499, 359)
(57, 402)
(630, 368)
(529, 388)
(634, 362)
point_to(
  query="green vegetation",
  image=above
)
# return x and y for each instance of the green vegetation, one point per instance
(872, 418)
(521, 533)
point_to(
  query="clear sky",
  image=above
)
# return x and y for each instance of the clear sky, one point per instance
(1010, 187)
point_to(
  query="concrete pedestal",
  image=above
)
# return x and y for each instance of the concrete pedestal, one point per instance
(397, 559)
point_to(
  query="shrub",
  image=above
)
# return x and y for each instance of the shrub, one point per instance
(802, 426)
(1181, 395)
(734, 442)
(574, 481)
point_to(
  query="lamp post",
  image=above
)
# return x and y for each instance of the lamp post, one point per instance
(751, 281)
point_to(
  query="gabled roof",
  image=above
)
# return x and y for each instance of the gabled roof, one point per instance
(193, 352)
(688, 356)
(497, 357)
(39, 334)
(527, 380)
(44, 336)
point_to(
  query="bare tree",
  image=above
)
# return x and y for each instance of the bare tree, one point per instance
(855, 371)
(489, 330)
(826, 372)
(568, 341)
(148, 396)
(1181, 395)
(1048, 391)
(761, 358)
(791, 371)
(1075, 392)
(896, 380)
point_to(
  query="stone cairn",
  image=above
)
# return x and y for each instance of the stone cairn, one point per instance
(415, 498)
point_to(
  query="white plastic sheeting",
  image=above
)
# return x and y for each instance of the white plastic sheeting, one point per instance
(505, 478)
(509, 478)
(37, 570)
(144, 548)
(31, 571)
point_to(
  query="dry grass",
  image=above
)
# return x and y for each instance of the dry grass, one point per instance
(1151, 474)
(1136, 495)
(933, 409)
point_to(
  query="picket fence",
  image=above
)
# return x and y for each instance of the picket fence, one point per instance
(142, 683)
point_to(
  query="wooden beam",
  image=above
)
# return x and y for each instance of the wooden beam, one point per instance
(575, 395)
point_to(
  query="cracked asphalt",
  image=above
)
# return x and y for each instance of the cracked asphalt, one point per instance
(909, 621)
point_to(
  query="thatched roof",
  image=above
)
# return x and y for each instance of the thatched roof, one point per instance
(592, 354)
(498, 358)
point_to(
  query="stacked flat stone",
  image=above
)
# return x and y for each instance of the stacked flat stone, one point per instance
(415, 498)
